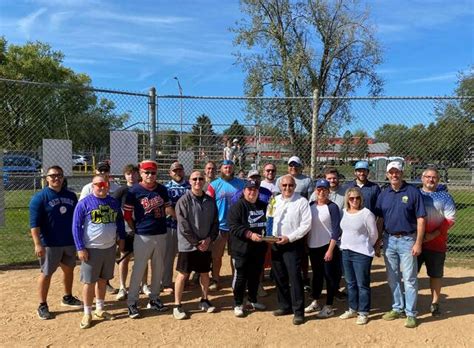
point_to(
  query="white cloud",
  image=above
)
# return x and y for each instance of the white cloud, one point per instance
(138, 20)
(451, 76)
(26, 23)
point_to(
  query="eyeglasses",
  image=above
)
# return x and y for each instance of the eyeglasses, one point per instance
(56, 176)
(197, 178)
(354, 198)
(430, 177)
(149, 173)
(101, 184)
(288, 185)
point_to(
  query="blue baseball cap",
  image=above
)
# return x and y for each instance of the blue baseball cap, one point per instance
(252, 184)
(227, 162)
(362, 165)
(322, 183)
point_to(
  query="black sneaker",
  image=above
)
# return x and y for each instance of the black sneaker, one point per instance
(133, 311)
(434, 309)
(157, 305)
(71, 301)
(43, 312)
(340, 296)
(280, 312)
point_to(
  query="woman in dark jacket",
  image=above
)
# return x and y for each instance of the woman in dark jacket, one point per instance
(247, 222)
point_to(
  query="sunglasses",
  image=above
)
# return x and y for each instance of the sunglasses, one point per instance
(55, 176)
(149, 173)
(288, 185)
(354, 198)
(197, 178)
(270, 170)
(101, 184)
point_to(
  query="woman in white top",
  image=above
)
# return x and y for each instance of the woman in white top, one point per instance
(359, 234)
(323, 251)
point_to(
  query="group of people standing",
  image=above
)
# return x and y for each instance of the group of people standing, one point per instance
(338, 229)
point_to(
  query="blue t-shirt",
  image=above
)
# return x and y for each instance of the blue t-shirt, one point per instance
(370, 192)
(52, 212)
(175, 191)
(264, 195)
(149, 208)
(400, 209)
(97, 221)
(222, 191)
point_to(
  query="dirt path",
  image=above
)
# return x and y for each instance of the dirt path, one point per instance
(19, 325)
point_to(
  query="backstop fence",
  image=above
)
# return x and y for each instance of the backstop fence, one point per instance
(105, 125)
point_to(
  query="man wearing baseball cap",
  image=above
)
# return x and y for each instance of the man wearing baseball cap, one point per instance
(264, 194)
(304, 184)
(401, 224)
(222, 189)
(370, 190)
(146, 208)
(176, 187)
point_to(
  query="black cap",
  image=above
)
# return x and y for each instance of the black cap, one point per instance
(252, 184)
(103, 167)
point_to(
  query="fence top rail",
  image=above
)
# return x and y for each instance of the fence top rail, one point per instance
(172, 96)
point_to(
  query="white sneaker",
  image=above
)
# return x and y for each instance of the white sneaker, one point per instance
(362, 319)
(257, 306)
(206, 306)
(348, 314)
(239, 311)
(146, 290)
(179, 313)
(121, 295)
(313, 307)
(326, 312)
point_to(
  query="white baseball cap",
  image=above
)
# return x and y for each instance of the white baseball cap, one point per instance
(253, 172)
(395, 165)
(235, 140)
(296, 160)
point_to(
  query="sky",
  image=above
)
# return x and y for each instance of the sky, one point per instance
(133, 45)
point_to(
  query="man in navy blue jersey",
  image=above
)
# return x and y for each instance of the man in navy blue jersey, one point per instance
(51, 213)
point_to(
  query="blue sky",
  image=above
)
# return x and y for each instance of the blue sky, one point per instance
(133, 45)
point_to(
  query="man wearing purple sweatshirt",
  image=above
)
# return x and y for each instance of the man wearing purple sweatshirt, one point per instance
(97, 221)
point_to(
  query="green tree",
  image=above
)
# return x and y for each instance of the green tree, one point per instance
(65, 108)
(290, 48)
(361, 147)
(236, 131)
(347, 147)
(397, 137)
(203, 134)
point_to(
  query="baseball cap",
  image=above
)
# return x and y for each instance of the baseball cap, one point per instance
(361, 165)
(253, 172)
(103, 167)
(235, 140)
(395, 165)
(176, 165)
(227, 162)
(295, 160)
(252, 184)
(322, 183)
(148, 165)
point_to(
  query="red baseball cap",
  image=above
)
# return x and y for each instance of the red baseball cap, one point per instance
(148, 165)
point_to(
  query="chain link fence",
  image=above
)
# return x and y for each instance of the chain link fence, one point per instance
(98, 125)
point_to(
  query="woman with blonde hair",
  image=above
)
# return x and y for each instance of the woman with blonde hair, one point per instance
(359, 234)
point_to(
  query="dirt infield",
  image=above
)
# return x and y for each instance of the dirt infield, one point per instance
(19, 325)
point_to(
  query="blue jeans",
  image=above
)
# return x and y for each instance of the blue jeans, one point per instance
(357, 274)
(400, 262)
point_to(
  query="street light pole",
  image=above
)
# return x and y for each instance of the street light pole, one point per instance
(181, 114)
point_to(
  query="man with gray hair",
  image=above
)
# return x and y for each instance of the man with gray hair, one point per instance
(440, 216)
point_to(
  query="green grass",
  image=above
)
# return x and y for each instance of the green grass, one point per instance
(16, 245)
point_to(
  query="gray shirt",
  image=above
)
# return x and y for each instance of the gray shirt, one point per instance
(304, 185)
(197, 220)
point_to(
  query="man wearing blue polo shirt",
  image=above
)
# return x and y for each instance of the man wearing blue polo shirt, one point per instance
(401, 215)
(370, 190)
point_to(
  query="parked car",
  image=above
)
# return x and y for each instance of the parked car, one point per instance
(80, 160)
(20, 166)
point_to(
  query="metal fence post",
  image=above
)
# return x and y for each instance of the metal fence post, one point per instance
(152, 118)
(314, 132)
